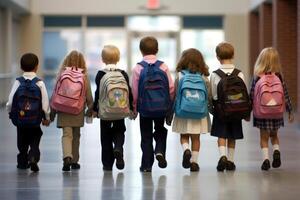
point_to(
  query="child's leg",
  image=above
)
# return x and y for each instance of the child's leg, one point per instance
(66, 140)
(34, 152)
(230, 149)
(146, 128)
(276, 151)
(187, 154)
(118, 140)
(264, 140)
(75, 144)
(107, 156)
(23, 145)
(160, 136)
(195, 147)
(222, 146)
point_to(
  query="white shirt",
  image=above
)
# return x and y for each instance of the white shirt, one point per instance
(45, 100)
(214, 78)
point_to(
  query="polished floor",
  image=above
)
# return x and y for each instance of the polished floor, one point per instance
(174, 182)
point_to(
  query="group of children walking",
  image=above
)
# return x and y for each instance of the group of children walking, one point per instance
(185, 105)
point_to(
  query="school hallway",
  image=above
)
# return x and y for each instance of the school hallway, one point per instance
(174, 182)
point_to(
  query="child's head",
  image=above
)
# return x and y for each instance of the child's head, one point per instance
(149, 46)
(267, 61)
(29, 62)
(110, 54)
(74, 59)
(192, 60)
(224, 51)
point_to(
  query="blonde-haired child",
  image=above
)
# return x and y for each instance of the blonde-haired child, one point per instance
(71, 123)
(268, 62)
(112, 131)
(193, 61)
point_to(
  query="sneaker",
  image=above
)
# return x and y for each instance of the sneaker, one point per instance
(266, 165)
(230, 166)
(186, 160)
(162, 163)
(145, 169)
(276, 159)
(194, 167)
(119, 159)
(222, 164)
(67, 164)
(75, 166)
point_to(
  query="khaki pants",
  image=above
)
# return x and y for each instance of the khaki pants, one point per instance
(70, 143)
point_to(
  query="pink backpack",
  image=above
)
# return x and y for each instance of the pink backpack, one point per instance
(268, 102)
(69, 93)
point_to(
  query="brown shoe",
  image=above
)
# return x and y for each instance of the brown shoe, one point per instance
(194, 167)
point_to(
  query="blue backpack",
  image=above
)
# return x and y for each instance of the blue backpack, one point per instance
(153, 95)
(191, 97)
(26, 110)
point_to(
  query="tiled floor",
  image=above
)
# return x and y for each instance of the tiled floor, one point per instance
(174, 182)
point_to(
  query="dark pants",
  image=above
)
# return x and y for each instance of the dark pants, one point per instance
(112, 139)
(28, 138)
(147, 135)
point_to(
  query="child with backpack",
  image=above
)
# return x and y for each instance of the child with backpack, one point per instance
(28, 106)
(231, 104)
(269, 98)
(153, 92)
(112, 103)
(71, 95)
(193, 96)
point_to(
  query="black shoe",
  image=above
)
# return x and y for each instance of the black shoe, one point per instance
(194, 167)
(230, 166)
(266, 165)
(186, 160)
(145, 169)
(108, 169)
(276, 159)
(222, 164)
(20, 166)
(67, 164)
(75, 166)
(162, 163)
(33, 165)
(119, 159)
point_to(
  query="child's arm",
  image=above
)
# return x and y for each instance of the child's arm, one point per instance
(89, 98)
(135, 85)
(288, 102)
(11, 95)
(99, 75)
(45, 101)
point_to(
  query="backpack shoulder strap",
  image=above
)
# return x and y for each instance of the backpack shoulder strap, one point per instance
(21, 79)
(143, 63)
(35, 80)
(220, 73)
(235, 72)
(158, 63)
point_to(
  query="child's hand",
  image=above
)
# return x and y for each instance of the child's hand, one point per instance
(94, 114)
(247, 119)
(291, 117)
(45, 122)
(132, 115)
(169, 119)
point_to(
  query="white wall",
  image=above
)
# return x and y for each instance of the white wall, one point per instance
(113, 7)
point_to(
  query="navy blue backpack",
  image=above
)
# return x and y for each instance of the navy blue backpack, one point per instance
(26, 110)
(153, 96)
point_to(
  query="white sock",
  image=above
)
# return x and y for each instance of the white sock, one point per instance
(185, 146)
(195, 156)
(265, 153)
(276, 147)
(222, 151)
(231, 154)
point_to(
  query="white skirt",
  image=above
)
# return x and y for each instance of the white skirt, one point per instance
(191, 126)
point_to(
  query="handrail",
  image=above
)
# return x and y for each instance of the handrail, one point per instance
(6, 75)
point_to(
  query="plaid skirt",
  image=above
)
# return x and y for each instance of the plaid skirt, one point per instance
(268, 124)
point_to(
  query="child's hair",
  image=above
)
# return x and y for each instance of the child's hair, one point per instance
(192, 60)
(29, 62)
(74, 59)
(149, 45)
(225, 51)
(110, 54)
(267, 61)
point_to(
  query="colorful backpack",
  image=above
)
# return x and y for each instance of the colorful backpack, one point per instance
(233, 100)
(191, 97)
(268, 101)
(153, 95)
(113, 96)
(69, 93)
(26, 110)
